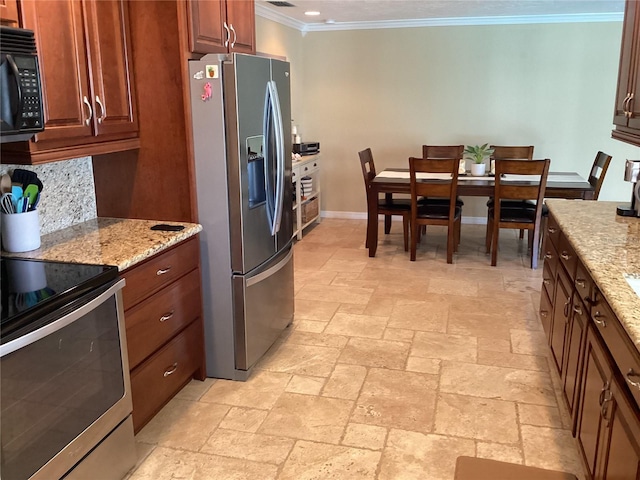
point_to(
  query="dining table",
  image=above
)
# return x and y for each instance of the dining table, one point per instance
(570, 185)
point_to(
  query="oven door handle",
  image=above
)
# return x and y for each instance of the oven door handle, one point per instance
(53, 327)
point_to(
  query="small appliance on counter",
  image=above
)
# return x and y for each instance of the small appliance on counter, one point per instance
(631, 174)
(306, 148)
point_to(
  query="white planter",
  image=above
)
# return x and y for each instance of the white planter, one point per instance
(478, 169)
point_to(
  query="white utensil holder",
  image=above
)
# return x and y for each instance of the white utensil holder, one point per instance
(21, 231)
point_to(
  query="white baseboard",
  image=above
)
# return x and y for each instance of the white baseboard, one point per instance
(396, 218)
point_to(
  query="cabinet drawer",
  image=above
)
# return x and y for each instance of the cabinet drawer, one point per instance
(309, 168)
(567, 256)
(553, 230)
(583, 284)
(155, 320)
(624, 353)
(155, 381)
(159, 271)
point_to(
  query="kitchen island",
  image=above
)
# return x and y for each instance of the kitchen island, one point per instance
(162, 299)
(590, 311)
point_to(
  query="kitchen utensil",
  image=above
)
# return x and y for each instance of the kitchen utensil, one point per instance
(31, 192)
(7, 204)
(5, 183)
(26, 177)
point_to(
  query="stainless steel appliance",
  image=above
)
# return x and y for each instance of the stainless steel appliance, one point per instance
(242, 145)
(21, 112)
(632, 174)
(66, 398)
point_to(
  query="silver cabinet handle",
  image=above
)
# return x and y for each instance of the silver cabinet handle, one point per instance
(546, 281)
(103, 111)
(162, 271)
(226, 27)
(85, 100)
(624, 104)
(596, 318)
(167, 316)
(170, 370)
(566, 309)
(577, 309)
(552, 230)
(548, 256)
(565, 256)
(544, 313)
(633, 383)
(629, 112)
(605, 387)
(235, 36)
(581, 283)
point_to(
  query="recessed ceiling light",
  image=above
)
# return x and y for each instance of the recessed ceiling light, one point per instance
(312, 13)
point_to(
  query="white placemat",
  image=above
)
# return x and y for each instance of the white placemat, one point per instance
(419, 175)
(520, 178)
(568, 178)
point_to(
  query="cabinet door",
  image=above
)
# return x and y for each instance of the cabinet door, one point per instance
(576, 335)
(242, 23)
(596, 379)
(561, 315)
(9, 13)
(110, 54)
(60, 39)
(621, 449)
(206, 31)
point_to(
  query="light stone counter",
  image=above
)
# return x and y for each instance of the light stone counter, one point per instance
(108, 241)
(609, 247)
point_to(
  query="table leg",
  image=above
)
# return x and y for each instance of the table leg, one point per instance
(372, 221)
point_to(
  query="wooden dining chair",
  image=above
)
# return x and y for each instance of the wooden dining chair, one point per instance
(511, 152)
(387, 206)
(526, 218)
(436, 152)
(598, 172)
(445, 186)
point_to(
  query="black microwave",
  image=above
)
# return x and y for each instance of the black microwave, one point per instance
(21, 112)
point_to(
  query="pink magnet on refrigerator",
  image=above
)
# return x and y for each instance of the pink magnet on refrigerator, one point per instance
(208, 92)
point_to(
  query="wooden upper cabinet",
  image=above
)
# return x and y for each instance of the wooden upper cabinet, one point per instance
(9, 13)
(85, 63)
(219, 26)
(626, 115)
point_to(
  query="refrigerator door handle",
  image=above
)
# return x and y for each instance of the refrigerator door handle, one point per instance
(266, 127)
(269, 272)
(279, 131)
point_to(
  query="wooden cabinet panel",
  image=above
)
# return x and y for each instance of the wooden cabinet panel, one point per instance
(60, 38)
(206, 31)
(113, 91)
(548, 279)
(242, 23)
(85, 62)
(596, 381)
(583, 285)
(620, 445)
(567, 256)
(576, 336)
(153, 322)
(9, 13)
(158, 379)
(561, 316)
(546, 311)
(145, 279)
(221, 26)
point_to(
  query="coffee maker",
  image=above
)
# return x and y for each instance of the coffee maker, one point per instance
(632, 174)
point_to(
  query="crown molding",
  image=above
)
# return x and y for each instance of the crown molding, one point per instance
(437, 22)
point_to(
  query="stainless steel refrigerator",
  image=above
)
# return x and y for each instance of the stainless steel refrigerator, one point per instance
(241, 115)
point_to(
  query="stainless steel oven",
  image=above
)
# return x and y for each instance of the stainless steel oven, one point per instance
(66, 405)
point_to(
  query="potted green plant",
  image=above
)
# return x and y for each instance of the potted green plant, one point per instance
(477, 154)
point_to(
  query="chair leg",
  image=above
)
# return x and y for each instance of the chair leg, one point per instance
(414, 239)
(488, 234)
(521, 234)
(456, 236)
(450, 241)
(494, 244)
(535, 245)
(405, 231)
(387, 224)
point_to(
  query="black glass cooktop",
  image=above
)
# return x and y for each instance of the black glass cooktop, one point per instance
(34, 289)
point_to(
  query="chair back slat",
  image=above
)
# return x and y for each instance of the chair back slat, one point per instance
(508, 152)
(368, 167)
(434, 188)
(598, 171)
(508, 190)
(443, 151)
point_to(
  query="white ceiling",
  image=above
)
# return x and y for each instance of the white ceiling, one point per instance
(353, 14)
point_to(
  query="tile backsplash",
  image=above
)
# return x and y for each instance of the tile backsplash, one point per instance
(68, 195)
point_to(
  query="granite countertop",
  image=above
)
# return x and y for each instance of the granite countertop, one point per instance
(609, 247)
(108, 241)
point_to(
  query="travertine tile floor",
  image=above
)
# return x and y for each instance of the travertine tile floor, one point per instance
(390, 370)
